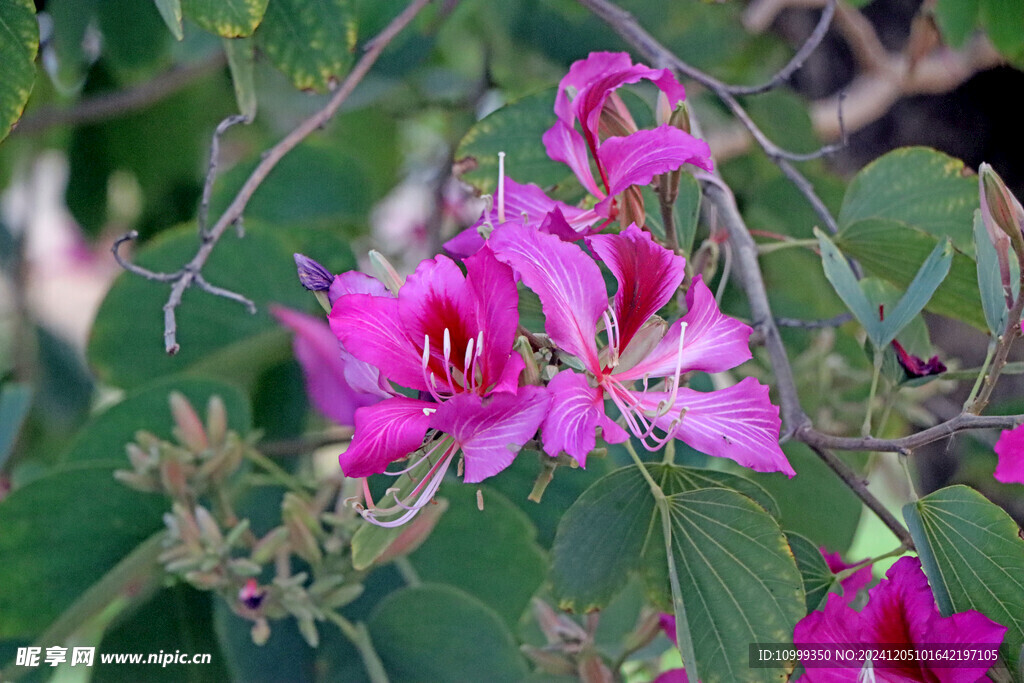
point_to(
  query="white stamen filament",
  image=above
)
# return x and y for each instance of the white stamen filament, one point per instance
(421, 495)
(467, 365)
(501, 187)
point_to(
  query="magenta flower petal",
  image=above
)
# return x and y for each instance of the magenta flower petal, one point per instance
(385, 432)
(1010, 449)
(490, 431)
(854, 582)
(435, 303)
(564, 143)
(492, 290)
(648, 275)
(598, 76)
(354, 282)
(712, 342)
(672, 676)
(466, 243)
(577, 410)
(738, 423)
(370, 328)
(635, 159)
(901, 611)
(324, 368)
(568, 282)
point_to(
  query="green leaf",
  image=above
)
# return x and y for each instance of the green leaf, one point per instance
(311, 41)
(240, 61)
(602, 536)
(61, 533)
(973, 555)
(738, 579)
(600, 540)
(1003, 20)
(893, 251)
(226, 18)
(499, 559)
(516, 130)
(19, 42)
(843, 280)
(956, 20)
(170, 12)
(817, 577)
(216, 335)
(105, 436)
(990, 283)
(931, 274)
(815, 503)
(920, 187)
(15, 400)
(173, 618)
(405, 629)
(134, 34)
(285, 656)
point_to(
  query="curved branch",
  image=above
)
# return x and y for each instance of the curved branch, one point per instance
(904, 445)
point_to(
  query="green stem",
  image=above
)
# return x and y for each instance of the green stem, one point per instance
(655, 489)
(905, 463)
(865, 430)
(360, 637)
(787, 244)
(895, 552)
(981, 374)
(278, 473)
(684, 639)
(670, 453)
(408, 572)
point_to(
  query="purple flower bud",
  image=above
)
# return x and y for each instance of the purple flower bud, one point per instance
(251, 595)
(312, 275)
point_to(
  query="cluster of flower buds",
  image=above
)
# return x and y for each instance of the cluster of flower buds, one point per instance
(202, 457)
(1003, 217)
(210, 548)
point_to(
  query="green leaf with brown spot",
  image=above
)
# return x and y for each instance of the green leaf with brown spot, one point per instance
(226, 18)
(311, 41)
(516, 130)
(920, 187)
(19, 42)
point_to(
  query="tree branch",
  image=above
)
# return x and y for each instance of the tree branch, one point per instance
(118, 103)
(904, 445)
(191, 272)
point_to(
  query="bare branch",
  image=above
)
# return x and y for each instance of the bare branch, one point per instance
(904, 445)
(114, 104)
(835, 321)
(797, 61)
(211, 169)
(131, 236)
(191, 273)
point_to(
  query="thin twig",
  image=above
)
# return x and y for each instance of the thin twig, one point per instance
(857, 484)
(627, 27)
(114, 104)
(191, 271)
(131, 236)
(797, 61)
(211, 169)
(961, 423)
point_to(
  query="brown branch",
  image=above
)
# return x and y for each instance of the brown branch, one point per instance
(115, 104)
(904, 445)
(190, 273)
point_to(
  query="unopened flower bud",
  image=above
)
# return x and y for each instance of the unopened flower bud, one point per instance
(648, 626)
(216, 421)
(307, 627)
(557, 628)
(266, 548)
(260, 633)
(312, 275)
(999, 208)
(173, 477)
(209, 530)
(385, 272)
(188, 427)
(531, 373)
(592, 669)
(205, 580)
(251, 595)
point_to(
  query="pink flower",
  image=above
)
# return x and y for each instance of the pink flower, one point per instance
(449, 337)
(738, 422)
(584, 96)
(901, 612)
(667, 621)
(1010, 449)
